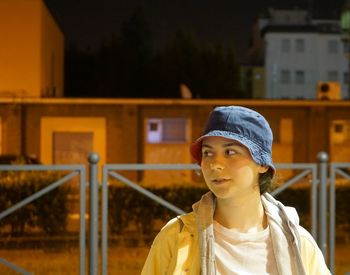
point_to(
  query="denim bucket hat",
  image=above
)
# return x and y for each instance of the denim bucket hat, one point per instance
(241, 124)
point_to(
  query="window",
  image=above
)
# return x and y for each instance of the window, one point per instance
(299, 77)
(167, 130)
(340, 132)
(285, 77)
(299, 45)
(333, 76)
(346, 77)
(285, 45)
(338, 128)
(333, 46)
(346, 46)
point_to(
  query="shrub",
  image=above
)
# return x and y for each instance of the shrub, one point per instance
(127, 207)
(48, 213)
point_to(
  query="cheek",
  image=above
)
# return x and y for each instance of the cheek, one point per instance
(205, 167)
(244, 170)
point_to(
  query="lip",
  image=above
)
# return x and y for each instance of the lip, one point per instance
(220, 180)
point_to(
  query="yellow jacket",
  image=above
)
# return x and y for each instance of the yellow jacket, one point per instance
(177, 247)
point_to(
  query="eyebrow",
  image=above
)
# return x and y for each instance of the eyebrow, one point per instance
(224, 145)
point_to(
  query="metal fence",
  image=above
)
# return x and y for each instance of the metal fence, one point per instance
(320, 204)
(74, 171)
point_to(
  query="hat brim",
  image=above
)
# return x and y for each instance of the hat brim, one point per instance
(259, 155)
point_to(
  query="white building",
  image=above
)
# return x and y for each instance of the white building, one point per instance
(300, 52)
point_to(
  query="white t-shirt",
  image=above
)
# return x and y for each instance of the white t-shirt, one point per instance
(243, 253)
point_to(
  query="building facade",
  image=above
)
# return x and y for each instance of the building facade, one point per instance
(64, 131)
(31, 50)
(300, 53)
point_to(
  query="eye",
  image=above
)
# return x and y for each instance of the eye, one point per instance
(230, 152)
(206, 153)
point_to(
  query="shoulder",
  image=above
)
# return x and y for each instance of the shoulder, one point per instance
(163, 255)
(311, 254)
(306, 238)
(176, 225)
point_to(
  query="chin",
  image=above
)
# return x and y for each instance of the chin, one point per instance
(221, 194)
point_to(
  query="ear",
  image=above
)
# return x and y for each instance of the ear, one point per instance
(263, 169)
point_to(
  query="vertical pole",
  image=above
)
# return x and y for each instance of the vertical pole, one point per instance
(104, 221)
(322, 240)
(314, 207)
(82, 230)
(332, 207)
(93, 214)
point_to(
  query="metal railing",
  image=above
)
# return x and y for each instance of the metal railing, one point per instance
(335, 169)
(320, 205)
(75, 170)
(318, 197)
(109, 170)
(307, 169)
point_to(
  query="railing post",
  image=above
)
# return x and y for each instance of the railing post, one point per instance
(323, 176)
(332, 207)
(93, 214)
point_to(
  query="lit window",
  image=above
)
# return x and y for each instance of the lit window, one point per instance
(167, 130)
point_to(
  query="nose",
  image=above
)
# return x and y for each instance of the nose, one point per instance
(216, 165)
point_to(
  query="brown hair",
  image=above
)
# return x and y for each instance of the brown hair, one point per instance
(265, 181)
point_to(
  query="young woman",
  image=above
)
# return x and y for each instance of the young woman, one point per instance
(237, 227)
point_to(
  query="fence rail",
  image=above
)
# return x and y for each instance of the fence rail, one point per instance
(75, 170)
(323, 176)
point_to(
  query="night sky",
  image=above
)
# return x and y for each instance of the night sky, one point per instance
(87, 22)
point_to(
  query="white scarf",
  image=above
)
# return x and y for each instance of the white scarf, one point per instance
(283, 222)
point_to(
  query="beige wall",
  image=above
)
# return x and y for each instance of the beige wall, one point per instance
(28, 38)
(167, 152)
(11, 128)
(96, 126)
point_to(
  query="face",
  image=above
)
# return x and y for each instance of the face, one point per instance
(229, 169)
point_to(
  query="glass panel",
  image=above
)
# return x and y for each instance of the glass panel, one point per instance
(285, 76)
(299, 77)
(299, 45)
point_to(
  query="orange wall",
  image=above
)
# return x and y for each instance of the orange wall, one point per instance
(52, 53)
(24, 28)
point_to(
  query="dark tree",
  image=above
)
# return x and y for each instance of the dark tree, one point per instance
(134, 55)
(176, 64)
(125, 66)
(80, 73)
(209, 72)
